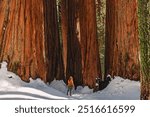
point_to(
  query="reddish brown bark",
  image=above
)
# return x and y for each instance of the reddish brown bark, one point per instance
(25, 40)
(122, 44)
(89, 43)
(80, 42)
(71, 46)
(64, 26)
(53, 48)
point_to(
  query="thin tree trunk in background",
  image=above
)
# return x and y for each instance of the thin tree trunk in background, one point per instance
(80, 41)
(24, 41)
(98, 5)
(144, 34)
(122, 44)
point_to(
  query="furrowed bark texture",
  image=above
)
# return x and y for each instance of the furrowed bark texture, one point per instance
(54, 53)
(122, 44)
(24, 40)
(89, 43)
(79, 41)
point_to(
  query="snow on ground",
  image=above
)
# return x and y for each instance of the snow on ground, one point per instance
(12, 87)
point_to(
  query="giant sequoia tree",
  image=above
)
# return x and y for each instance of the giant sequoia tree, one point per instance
(80, 45)
(29, 39)
(53, 48)
(122, 44)
(144, 34)
(71, 46)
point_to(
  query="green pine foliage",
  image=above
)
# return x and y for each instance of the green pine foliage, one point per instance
(144, 36)
(100, 17)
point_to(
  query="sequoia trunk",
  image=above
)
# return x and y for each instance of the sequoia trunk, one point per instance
(71, 46)
(89, 44)
(79, 41)
(122, 44)
(24, 39)
(53, 48)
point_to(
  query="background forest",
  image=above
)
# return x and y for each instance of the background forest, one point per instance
(86, 39)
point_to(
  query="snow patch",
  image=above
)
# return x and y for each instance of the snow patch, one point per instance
(59, 85)
(86, 90)
(12, 87)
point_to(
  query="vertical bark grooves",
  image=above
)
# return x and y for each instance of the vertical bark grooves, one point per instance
(55, 64)
(122, 44)
(89, 43)
(79, 41)
(25, 41)
(74, 66)
(64, 26)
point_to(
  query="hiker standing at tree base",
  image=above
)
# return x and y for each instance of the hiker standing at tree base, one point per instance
(70, 85)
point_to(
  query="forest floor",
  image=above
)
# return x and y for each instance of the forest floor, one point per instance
(12, 87)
